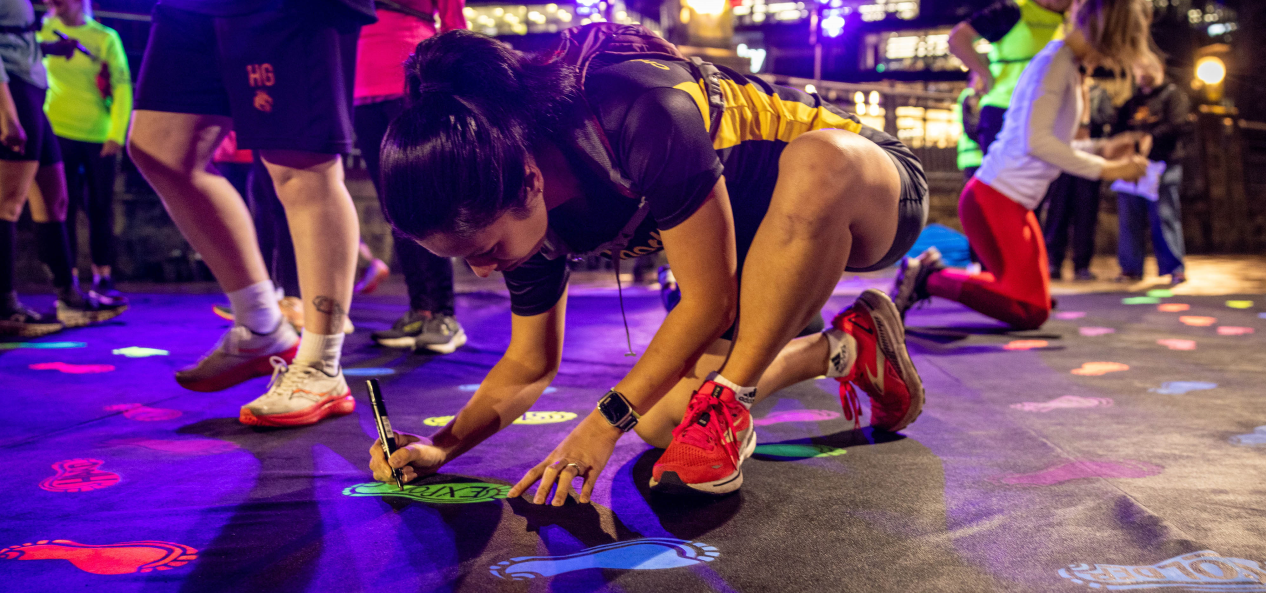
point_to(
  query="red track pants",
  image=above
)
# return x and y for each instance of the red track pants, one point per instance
(1008, 240)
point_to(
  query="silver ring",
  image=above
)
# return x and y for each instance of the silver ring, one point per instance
(577, 466)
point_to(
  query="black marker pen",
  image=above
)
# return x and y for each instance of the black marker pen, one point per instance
(385, 435)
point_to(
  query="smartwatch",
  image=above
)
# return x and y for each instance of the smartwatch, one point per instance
(618, 411)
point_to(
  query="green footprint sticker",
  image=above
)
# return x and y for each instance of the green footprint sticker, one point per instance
(792, 451)
(447, 493)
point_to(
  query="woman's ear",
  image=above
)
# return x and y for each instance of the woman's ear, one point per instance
(533, 180)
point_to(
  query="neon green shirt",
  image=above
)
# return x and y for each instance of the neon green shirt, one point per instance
(74, 105)
(969, 154)
(1035, 26)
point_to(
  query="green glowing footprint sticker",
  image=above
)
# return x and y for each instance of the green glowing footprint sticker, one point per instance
(794, 451)
(446, 493)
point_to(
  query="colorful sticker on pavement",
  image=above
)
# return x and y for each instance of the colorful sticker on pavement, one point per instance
(1231, 330)
(1197, 320)
(528, 418)
(1205, 570)
(1160, 293)
(41, 345)
(1240, 304)
(79, 475)
(1181, 387)
(1064, 402)
(798, 451)
(139, 352)
(1026, 344)
(1173, 307)
(1177, 344)
(368, 372)
(1092, 332)
(120, 558)
(1257, 438)
(1143, 300)
(72, 369)
(143, 413)
(640, 554)
(447, 493)
(1066, 315)
(1094, 369)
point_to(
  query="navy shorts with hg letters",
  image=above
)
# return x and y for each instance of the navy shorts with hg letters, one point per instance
(284, 76)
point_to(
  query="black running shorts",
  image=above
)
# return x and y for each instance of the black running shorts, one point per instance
(41, 145)
(284, 76)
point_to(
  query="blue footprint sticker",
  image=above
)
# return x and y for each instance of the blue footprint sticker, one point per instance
(639, 554)
(1181, 387)
(1257, 438)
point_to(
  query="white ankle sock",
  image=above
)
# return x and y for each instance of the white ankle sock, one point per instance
(255, 307)
(320, 351)
(839, 364)
(745, 395)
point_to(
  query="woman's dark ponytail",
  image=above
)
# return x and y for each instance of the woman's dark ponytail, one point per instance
(455, 159)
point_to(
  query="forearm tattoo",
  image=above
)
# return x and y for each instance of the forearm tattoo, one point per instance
(332, 308)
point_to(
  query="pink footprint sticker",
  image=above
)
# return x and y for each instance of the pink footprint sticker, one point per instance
(179, 447)
(1070, 315)
(1091, 332)
(74, 369)
(1094, 369)
(1025, 344)
(797, 416)
(144, 413)
(1064, 402)
(79, 475)
(1197, 320)
(1177, 344)
(1076, 470)
(1230, 330)
(1173, 307)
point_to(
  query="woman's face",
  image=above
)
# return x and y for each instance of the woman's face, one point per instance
(503, 245)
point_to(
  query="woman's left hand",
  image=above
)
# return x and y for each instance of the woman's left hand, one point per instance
(584, 453)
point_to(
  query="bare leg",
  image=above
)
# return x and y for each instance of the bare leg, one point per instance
(173, 151)
(835, 204)
(16, 178)
(325, 229)
(48, 195)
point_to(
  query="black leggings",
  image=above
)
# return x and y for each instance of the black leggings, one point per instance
(428, 277)
(90, 184)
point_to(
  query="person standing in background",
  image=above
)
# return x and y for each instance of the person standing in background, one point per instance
(31, 166)
(1018, 30)
(89, 105)
(430, 323)
(967, 119)
(1073, 201)
(1157, 110)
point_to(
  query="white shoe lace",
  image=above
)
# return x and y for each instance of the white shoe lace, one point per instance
(287, 379)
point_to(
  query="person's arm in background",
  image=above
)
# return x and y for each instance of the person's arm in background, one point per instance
(121, 87)
(993, 23)
(450, 13)
(1045, 145)
(1173, 119)
(12, 136)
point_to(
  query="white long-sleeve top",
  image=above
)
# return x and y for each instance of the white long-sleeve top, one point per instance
(1036, 141)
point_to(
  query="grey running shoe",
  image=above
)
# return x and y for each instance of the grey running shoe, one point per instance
(76, 309)
(240, 355)
(912, 280)
(298, 395)
(25, 323)
(439, 333)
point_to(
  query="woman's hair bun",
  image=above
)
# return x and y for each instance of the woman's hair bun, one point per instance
(464, 64)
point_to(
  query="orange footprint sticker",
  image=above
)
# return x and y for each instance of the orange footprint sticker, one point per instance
(1197, 320)
(1094, 369)
(120, 558)
(79, 475)
(1025, 344)
(1177, 344)
(1172, 307)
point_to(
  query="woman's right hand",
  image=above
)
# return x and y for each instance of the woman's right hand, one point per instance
(1129, 168)
(415, 457)
(12, 136)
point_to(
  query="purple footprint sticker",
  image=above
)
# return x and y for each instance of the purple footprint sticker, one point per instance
(1076, 470)
(1257, 438)
(1181, 387)
(797, 416)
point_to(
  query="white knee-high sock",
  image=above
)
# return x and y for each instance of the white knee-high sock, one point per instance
(255, 307)
(745, 395)
(320, 351)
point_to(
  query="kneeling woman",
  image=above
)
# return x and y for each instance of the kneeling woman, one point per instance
(778, 194)
(1035, 145)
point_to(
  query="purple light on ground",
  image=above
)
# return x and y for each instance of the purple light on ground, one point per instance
(1076, 470)
(179, 447)
(797, 416)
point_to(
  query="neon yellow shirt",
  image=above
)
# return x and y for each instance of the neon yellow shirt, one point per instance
(74, 104)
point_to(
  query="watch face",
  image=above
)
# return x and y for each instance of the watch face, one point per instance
(614, 408)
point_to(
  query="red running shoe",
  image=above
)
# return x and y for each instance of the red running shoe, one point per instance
(882, 367)
(709, 445)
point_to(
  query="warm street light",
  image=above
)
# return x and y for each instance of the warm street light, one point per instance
(1210, 70)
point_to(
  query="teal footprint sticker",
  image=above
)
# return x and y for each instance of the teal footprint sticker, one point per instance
(41, 345)
(446, 493)
(639, 554)
(795, 451)
(1181, 387)
(368, 372)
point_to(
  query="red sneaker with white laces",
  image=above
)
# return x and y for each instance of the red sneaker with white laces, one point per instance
(880, 363)
(709, 445)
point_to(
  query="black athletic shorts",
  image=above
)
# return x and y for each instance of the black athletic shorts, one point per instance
(41, 145)
(284, 76)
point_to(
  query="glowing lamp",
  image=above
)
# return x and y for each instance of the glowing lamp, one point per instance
(1210, 70)
(833, 26)
(708, 7)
